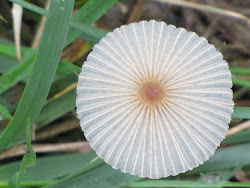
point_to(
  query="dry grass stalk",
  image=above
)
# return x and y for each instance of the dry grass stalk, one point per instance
(17, 12)
(136, 12)
(241, 176)
(82, 146)
(58, 128)
(3, 19)
(39, 31)
(239, 128)
(207, 8)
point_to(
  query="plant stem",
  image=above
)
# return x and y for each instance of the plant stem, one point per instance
(31, 7)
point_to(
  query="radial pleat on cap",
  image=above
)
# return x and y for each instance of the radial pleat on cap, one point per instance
(154, 100)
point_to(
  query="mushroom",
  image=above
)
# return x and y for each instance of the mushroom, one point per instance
(154, 100)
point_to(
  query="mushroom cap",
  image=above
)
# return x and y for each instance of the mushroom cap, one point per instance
(154, 100)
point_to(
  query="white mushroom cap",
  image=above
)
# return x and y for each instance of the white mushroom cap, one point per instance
(154, 100)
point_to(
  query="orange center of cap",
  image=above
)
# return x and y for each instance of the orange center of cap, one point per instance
(151, 93)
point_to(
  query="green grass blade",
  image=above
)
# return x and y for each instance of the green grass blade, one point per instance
(88, 14)
(16, 74)
(7, 63)
(241, 82)
(184, 183)
(29, 159)
(10, 50)
(43, 70)
(5, 112)
(30, 183)
(8, 56)
(240, 70)
(22, 70)
(56, 163)
(65, 68)
(31, 7)
(99, 177)
(241, 112)
(93, 164)
(89, 33)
